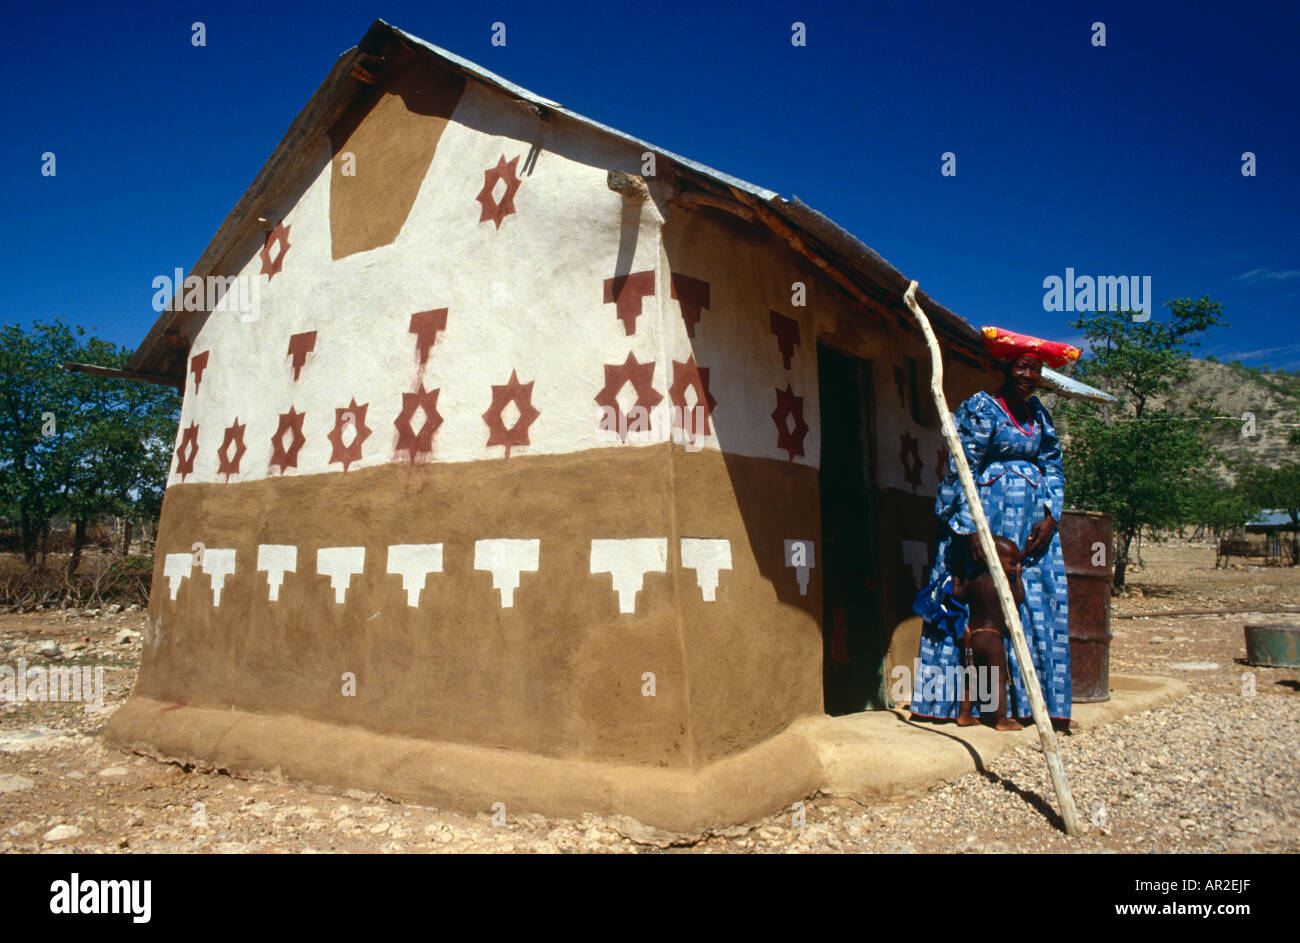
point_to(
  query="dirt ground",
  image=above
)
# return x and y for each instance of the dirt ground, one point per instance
(1219, 771)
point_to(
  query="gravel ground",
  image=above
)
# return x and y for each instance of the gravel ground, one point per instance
(1219, 771)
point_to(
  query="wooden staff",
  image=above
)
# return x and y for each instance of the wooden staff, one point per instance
(1044, 724)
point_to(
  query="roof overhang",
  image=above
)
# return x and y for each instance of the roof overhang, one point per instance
(862, 272)
(119, 374)
(1071, 388)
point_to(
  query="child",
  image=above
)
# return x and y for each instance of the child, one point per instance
(984, 631)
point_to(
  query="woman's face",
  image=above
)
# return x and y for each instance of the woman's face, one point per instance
(1024, 374)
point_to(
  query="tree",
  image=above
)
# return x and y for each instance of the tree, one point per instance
(35, 401)
(1142, 359)
(1138, 471)
(1219, 508)
(73, 444)
(120, 439)
(1133, 460)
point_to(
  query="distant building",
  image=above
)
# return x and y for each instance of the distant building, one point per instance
(1271, 522)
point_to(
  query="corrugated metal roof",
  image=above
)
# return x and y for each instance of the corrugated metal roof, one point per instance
(1271, 519)
(160, 352)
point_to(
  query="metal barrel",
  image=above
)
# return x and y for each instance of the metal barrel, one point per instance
(1273, 646)
(1088, 544)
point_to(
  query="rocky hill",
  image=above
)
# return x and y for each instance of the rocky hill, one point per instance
(1232, 390)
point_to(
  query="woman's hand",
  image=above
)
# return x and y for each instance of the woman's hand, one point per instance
(1040, 536)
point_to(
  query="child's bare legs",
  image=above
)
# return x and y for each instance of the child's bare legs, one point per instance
(964, 718)
(991, 656)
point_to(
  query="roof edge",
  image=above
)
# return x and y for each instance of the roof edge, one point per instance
(325, 105)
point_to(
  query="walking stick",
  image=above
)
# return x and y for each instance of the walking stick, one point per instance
(1044, 724)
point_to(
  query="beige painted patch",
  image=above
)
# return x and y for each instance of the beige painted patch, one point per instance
(388, 137)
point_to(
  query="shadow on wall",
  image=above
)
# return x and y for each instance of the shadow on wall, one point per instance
(733, 348)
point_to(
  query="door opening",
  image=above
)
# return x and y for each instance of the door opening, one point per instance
(853, 665)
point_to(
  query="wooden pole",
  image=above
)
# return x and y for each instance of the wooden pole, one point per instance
(1044, 723)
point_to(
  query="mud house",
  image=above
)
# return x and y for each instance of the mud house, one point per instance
(553, 469)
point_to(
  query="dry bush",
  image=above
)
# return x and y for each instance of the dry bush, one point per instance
(101, 579)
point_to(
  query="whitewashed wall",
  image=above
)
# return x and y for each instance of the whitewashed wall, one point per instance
(527, 298)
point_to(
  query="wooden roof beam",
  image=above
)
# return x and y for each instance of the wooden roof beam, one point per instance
(118, 374)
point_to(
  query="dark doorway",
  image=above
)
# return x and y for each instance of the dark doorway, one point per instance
(853, 666)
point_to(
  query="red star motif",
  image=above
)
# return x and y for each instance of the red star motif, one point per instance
(786, 331)
(271, 267)
(300, 345)
(625, 293)
(198, 363)
(787, 437)
(230, 463)
(417, 444)
(641, 376)
(941, 462)
(425, 325)
(521, 394)
(693, 294)
(492, 208)
(187, 450)
(689, 374)
(286, 456)
(351, 417)
(911, 459)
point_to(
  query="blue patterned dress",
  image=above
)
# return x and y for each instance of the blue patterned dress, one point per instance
(1017, 473)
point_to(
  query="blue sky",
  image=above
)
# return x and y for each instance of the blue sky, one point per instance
(1122, 160)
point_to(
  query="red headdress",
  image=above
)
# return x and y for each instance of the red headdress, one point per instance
(1008, 345)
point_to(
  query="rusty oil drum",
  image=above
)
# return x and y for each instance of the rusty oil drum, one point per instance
(1089, 593)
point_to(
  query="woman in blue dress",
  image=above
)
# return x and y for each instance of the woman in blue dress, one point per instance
(1015, 457)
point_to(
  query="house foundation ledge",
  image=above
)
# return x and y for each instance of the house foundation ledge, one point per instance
(871, 756)
(883, 755)
(753, 783)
